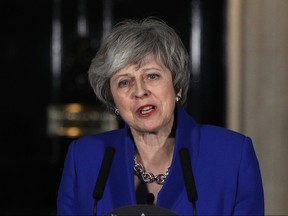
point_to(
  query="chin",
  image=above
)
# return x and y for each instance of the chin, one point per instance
(150, 129)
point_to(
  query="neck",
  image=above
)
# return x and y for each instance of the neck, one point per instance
(154, 143)
(155, 150)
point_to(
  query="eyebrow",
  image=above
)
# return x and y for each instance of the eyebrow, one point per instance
(115, 77)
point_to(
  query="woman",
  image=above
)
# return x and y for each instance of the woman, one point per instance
(141, 73)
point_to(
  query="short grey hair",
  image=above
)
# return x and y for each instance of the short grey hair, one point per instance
(130, 42)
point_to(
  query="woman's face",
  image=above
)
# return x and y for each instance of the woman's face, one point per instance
(145, 96)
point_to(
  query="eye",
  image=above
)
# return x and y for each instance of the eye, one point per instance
(123, 83)
(153, 76)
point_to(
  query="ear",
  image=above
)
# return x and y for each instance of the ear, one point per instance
(179, 93)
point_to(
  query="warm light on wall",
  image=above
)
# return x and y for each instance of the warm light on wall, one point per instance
(75, 120)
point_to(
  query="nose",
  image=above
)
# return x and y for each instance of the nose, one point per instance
(140, 89)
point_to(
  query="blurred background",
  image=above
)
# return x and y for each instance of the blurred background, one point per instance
(238, 50)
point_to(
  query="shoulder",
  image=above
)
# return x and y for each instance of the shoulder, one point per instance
(96, 143)
(101, 137)
(220, 132)
(221, 138)
(207, 135)
(225, 149)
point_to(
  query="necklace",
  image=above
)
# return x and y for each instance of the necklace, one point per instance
(148, 177)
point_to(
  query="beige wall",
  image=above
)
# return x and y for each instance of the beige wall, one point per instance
(258, 89)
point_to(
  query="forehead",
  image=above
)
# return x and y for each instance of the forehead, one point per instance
(149, 62)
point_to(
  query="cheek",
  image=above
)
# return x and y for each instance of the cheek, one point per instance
(115, 95)
(118, 101)
(169, 102)
(171, 95)
(121, 101)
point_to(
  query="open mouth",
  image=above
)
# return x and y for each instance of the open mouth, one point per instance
(146, 109)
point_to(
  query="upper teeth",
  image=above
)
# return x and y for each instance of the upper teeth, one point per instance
(145, 109)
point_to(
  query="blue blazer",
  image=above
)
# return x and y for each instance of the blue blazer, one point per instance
(224, 163)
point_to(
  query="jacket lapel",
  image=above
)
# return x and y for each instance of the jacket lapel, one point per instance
(187, 136)
(122, 183)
